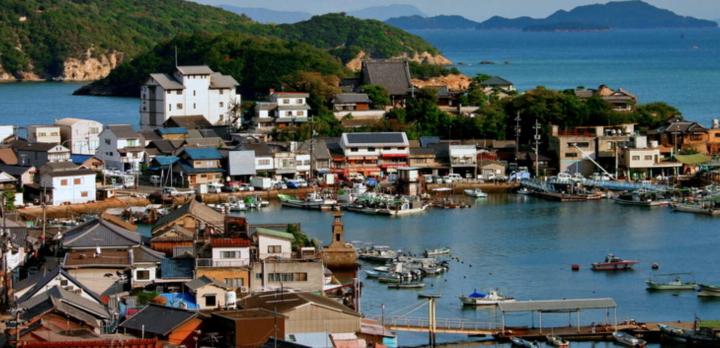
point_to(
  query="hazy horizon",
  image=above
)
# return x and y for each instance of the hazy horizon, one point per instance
(473, 9)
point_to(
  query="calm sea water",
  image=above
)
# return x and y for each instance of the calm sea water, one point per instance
(525, 247)
(680, 67)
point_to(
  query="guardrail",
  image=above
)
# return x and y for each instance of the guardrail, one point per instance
(454, 324)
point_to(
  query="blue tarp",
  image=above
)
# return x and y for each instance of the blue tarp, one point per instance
(179, 300)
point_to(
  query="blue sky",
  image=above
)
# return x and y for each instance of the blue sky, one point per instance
(473, 9)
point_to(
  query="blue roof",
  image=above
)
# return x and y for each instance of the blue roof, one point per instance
(165, 161)
(177, 268)
(172, 130)
(186, 168)
(79, 159)
(208, 153)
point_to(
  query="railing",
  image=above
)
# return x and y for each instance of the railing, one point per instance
(221, 263)
(605, 184)
(441, 324)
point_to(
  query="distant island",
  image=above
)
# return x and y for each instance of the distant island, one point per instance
(268, 16)
(632, 14)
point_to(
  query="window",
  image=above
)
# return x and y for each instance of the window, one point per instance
(299, 101)
(54, 134)
(227, 254)
(42, 134)
(264, 162)
(286, 101)
(635, 158)
(142, 274)
(194, 106)
(84, 194)
(63, 182)
(371, 149)
(179, 106)
(301, 113)
(210, 301)
(274, 249)
(582, 144)
(300, 277)
(178, 92)
(221, 92)
(222, 104)
(571, 155)
(77, 181)
(648, 157)
(194, 93)
(235, 282)
(63, 282)
(170, 107)
(107, 141)
(353, 149)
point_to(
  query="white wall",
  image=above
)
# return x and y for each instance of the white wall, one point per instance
(242, 257)
(44, 134)
(265, 241)
(64, 188)
(82, 136)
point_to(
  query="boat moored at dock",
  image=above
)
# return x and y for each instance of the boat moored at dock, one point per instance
(628, 340)
(519, 342)
(642, 198)
(476, 193)
(703, 337)
(480, 299)
(312, 201)
(557, 341)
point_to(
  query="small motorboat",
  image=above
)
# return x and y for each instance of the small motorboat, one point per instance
(381, 269)
(409, 285)
(519, 342)
(490, 299)
(437, 252)
(476, 193)
(557, 341)
(614, 263)
(424, 295)
(628, 340)
(707, 290)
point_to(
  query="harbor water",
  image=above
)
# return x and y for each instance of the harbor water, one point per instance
(525, 247)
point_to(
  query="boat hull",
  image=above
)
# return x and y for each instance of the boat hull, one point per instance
(661, 203)
(689, 208)
(628, 340)
(614, 266)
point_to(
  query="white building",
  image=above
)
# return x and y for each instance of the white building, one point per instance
(272, 243)
(67, 183)
(283, 109)
(6, 131)
(121, 148)
(190, 91)
(44, 134)
(81, 136)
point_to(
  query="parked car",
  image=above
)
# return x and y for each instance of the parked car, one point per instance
(172, 191)
(245, 187)
(450, 178)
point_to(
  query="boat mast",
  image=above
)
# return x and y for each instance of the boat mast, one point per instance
(517, 135)
(536, 139)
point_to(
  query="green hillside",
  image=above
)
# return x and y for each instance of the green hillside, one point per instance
(39, 35)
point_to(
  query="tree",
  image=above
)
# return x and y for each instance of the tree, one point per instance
(378, 95)
(654, 115)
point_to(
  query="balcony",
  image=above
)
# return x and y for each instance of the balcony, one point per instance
(222, 263)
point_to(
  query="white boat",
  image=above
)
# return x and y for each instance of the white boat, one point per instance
(557, 341)
(628, 340)
(519, 342)
(480, 299)
(712, 209)
(238, 206)
(477, 193)
(312, 200)
(437, 252)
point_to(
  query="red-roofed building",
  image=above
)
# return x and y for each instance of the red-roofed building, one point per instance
(227, 260)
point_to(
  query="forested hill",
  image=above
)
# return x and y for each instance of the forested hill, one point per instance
(81, 40)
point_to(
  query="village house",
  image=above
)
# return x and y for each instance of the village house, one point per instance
(273, 243)
(246, 327)
(42, 282)
(306, 312)
(184, 224)
(679, 135)
(59, 315)
(47, 134)
(65, 182)
(573, 150)
(24, 175)
(199, 166)
(282, 110)
(641, 160)
(463, 160)
(81, 136)
(391, 74)
(226, 259)
(620, 100)
(497, 84)
(121, 148)
(713, 142)
(37, 154)
(264, 163)
(172, 326)
(354, 109)
(190, 91)
(208, 293)
(372, 154)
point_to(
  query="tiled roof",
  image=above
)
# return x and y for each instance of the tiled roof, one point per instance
(165, 161)
(393, 75)
(123, 131)
(172, 130)
(376, 138)
(188, 122)
(157, 320)
(200, 211)
(39, 147)
(274, 233)
(49, 276)
(66, 302)
(351, 98)
(194, 70)
(99, 233)
(198, 283)
(209, 153)
(218, 80)
(167, 82)
(496, 81)
(283, 302)
(229, 242)
(90, 258)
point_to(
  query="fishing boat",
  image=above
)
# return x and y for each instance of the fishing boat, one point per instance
(372, 274)
(614, 263)
(675, 284)
(711, 208)
(312, 201)
(437, 252)
(706, 290)
(476, 193)
(409, 285)
(628, 340)
(480, 299)
(390, 278)
(381, 269)
(238, 206)
(697, 338)
(424, 295)
(641, 198)
(377, 253)
(519, 342)
(557, 341)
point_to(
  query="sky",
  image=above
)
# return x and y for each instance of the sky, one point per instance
(473, 9)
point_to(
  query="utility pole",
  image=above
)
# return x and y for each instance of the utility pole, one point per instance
(517, 135)
(5, 251)
(536, 139)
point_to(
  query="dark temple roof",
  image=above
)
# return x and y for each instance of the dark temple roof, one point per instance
(392, 74)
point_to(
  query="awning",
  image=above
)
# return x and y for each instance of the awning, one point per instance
(573, 305)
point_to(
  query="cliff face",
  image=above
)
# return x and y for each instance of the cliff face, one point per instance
(355, 64)
(89, 67)
(4, 75)
(454, 82)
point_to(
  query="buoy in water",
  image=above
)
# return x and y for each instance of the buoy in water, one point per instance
(655, 265)
(575, 267)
